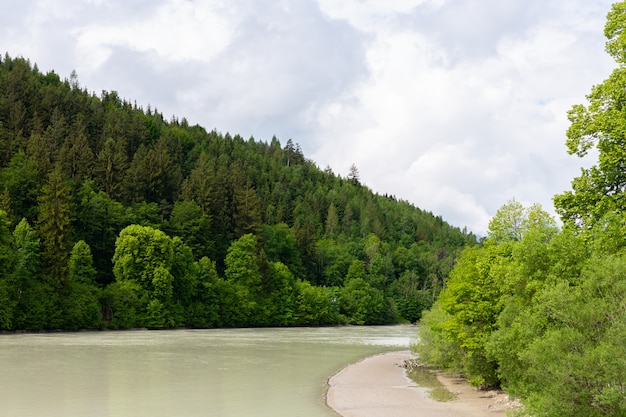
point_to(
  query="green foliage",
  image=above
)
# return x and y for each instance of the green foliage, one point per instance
(360, 302)
(6, 264)
(6, 307)
(560, 340)
(283, 304)
(192, 224)
(124, 305)
(242, 264)
(356, 270)
(473, 301)
(332, 220)
(109, 167)
(159, 265)
(334, 261)
(246, 209)
(577, 366)
(543, 315)
(204, 309)
(20, 180)
(613, 30)
(280, 245)
(54, 225)
(410, 300)
(600, 190)
(506, 225)
(81, 307)
(75, 155)
(6, 254)
(99, 218)
(139, 251)
(434, 346)
(316, 305)
(80, 265)
(197, 187)
(24, 280)
(84, 168)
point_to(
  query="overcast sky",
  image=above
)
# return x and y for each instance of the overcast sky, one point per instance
(454, 105)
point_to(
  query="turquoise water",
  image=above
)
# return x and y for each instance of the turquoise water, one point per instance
(222, 373)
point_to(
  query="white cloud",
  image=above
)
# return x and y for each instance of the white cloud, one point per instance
(454, 106)
(460, 137)
(367, 15)
(176, 30)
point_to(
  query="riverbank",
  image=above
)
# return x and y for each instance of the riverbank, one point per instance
(378, 387)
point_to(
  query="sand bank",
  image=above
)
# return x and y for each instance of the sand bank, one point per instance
(378, 387)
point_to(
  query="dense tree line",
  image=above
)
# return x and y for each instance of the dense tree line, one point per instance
(541, 311)
(113, 217)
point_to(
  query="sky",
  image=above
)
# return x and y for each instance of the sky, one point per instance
(456, 106)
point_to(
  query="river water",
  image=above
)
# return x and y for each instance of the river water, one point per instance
(183, 373)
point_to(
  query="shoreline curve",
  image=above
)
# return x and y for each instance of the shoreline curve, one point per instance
(378, 386)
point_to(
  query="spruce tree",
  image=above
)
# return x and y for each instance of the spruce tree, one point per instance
(54, 225)
(110, 167)
(76, 157)
(198, 186)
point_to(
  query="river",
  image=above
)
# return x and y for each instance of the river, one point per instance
(273, 372)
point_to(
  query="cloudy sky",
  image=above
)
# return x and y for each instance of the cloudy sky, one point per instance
(454, 105)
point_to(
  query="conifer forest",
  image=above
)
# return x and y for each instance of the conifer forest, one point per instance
(112, 217)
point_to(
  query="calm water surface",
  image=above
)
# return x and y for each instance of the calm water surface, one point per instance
(183, 373)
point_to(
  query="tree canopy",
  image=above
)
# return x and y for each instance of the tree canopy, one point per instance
(601, 124)
(541, 311)
(116, 217)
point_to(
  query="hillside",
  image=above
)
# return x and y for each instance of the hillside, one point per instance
(115, 217)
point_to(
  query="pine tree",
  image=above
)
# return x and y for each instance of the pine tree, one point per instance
(110, 167)
(198, 186)
(76, 157)
(55, 209)
(164, 176)
(332, 220)
(246, 214)
(44, 148)
(353, 175)
(133, 183)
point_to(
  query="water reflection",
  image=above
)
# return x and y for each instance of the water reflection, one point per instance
(225, 373)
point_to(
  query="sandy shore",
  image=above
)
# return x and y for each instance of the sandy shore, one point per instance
(378, 387)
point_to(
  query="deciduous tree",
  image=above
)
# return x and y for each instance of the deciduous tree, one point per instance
(600, 124)
(81, 307)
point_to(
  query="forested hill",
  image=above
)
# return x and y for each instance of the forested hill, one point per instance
(113, 217)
